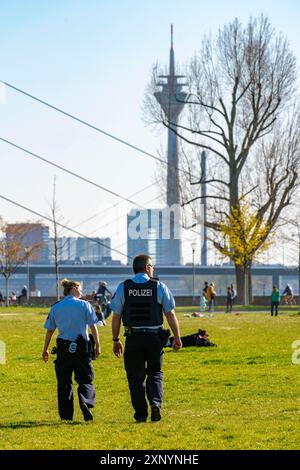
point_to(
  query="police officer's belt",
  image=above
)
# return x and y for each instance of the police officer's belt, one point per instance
(145, 330)
(80, 344)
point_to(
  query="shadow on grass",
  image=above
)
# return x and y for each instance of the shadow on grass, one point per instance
(37, 424)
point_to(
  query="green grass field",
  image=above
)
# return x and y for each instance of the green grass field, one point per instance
(244, 394)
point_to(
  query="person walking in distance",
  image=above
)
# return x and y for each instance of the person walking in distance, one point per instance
(211, 296)
(72, 316)
(229, 300)
(275, 301)
(140, 303)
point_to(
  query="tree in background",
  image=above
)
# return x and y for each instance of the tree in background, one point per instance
(57, 248)
(243, 237)
(14, 251)
(243, 110)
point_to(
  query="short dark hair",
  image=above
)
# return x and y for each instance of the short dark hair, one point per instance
(140, 262)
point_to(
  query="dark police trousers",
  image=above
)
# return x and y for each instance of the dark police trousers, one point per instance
(65, 364)
(143, 360)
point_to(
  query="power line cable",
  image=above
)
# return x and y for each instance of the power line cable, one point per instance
(70, 172)
(65, 227)
(116, 219)
(184, 239)
(92, 126)
(80, 177)
(115, 205)
(62, 225)
(89, 125)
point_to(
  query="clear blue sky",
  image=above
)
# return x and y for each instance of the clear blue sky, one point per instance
(93, 58)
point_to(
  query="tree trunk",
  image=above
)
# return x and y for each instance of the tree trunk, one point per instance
(250, 286)
(57, 279)
(243, 279)
(239, 274)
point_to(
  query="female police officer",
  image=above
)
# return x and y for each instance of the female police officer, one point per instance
(72, 316)
(140, 303)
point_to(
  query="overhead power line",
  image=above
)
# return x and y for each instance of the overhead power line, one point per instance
(115, 219)
(70, 172)
(85, 123)
(113, 206)
(62, 225)
(49, 162)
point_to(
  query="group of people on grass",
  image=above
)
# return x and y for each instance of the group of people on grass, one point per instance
(15, 299)
(208, 298)
(287, 295)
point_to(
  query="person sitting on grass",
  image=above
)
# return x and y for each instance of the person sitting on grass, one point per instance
(100, 316)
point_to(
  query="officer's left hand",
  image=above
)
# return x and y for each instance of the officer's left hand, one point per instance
(45, 356)
(118, 348)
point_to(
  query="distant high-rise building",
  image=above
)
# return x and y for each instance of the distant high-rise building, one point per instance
(85, 250)
(150, 231)
(66, 248)
(94, 250)
(34, 233)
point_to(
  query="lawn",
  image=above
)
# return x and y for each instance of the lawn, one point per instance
(244, 394)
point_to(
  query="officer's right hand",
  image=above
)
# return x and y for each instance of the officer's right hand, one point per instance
(45, 356)
(177, 344)
(97, 351)
(118, 348)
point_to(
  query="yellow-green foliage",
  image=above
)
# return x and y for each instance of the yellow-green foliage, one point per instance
(244, 235)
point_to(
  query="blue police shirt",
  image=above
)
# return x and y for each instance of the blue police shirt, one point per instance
(164, 296)
(71, 316)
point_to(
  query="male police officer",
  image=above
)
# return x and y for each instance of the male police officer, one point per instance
(140, 303)
(72, 316)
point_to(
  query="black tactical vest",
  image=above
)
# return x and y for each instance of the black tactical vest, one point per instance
(141, 307)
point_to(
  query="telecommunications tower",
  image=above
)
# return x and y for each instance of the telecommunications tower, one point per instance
(171, 98)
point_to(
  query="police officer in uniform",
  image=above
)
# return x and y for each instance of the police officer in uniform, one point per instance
(72, 316)
(140, 302)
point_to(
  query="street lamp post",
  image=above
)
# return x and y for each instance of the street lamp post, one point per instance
(28, 281)
(193, 250)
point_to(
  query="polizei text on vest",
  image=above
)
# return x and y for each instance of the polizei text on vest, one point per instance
(140, 292)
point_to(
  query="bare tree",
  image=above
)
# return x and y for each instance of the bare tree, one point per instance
(241, 109)
(57, 249)
(14, 251)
